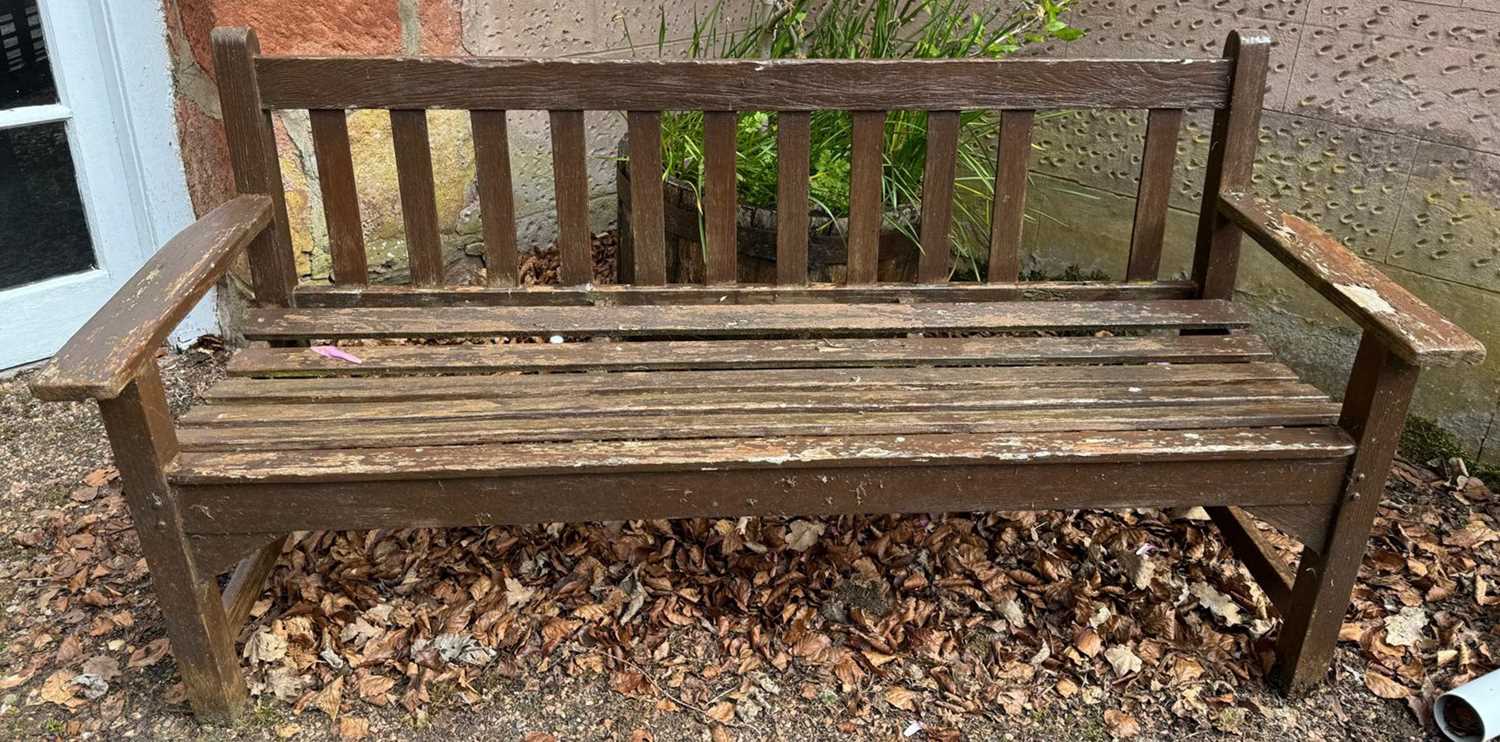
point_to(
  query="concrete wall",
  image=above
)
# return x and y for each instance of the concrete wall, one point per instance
(1382, 123)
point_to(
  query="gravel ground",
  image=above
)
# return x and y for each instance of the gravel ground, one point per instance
(47, 450)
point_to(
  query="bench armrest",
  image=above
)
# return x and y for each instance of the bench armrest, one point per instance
(109, 350)
(1410, 329)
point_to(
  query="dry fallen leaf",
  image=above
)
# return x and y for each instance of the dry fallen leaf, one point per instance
(1122, 660)
(1220, 604)
(1405, 628)
(1384, 687)
(1121, 725)
(900, 698)
(802, 534)
(353, 727)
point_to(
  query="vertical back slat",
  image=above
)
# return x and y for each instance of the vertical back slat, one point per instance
(720, 203)
(792, 174)
(1150, 224)
(937, 194)
(570, 175)
(497, 207)
(1231, 155)
(1007, 215)
(866, 202)
(346, 238)
(252, 154)
(418, 198)
(647, 218)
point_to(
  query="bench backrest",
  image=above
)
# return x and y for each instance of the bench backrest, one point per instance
(252, 86)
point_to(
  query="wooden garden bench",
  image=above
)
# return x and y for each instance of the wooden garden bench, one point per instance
(724, 399)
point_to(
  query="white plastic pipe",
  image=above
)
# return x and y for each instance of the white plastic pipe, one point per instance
(1470, 712)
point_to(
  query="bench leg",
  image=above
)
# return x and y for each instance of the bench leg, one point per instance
(1373, 414)
(142, 437)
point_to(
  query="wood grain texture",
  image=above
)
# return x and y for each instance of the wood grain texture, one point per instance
(863, 487)
(403, 296)
(1413, 331)
(779, 454)
(720, 202)
(1290, 397)
(393, 388)
(1270, 571)
(733, 321)
(245, 584)
(121, 339)
(1007, 214)
(141, 436)
(937, 195)
(1231, 157)
(792, 182)
(754, 354)
(1375, 403)
(866, 202)
(647, 220)
(346, 235)
(724, 85)
(424, 246)
(252, 155)
(1155, 186)
(497, 207)
(571, 180)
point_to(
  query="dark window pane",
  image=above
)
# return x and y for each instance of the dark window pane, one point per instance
(25, 75)
(42, 229)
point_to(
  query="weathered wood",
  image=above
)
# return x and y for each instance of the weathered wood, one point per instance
(866, 202)
(778, 454)
(402, 296)
(362, 426)
(248, 578)
(733, 321)
(570, 496)
(792, 175)
(720, 203)
(1008, 212)
(497, 207)
(217, 554)
(418, 198)
(938, 173)
(723, 85)
(753, 354)
(1152, 193)
(119, 341)
(1057, 400)
(141, 436)
(346, 236)
(571, 181)
(376, 388)
(1409, 328)
(1231, 156)
(647, 223)
(1374, 411)
(1273, 574)
(252, 155)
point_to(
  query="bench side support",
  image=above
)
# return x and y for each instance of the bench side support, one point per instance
(144, 442)
(1375, 403)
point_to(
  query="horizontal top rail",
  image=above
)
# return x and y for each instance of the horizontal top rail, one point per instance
(737, 85)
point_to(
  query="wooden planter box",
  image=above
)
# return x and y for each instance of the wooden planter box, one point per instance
(827, 253)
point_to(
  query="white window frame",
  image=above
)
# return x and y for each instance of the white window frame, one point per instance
(112, 67)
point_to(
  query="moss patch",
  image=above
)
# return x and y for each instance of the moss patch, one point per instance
(1423, 440)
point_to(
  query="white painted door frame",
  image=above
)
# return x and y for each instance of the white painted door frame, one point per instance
(112, 68)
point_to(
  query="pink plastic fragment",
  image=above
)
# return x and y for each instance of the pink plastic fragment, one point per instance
(330, 351)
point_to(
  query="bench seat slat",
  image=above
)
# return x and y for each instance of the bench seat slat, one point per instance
(749, 423)
(717, 321)
(243, 390)
(752, 354)
(714, 402)
(782, 454)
